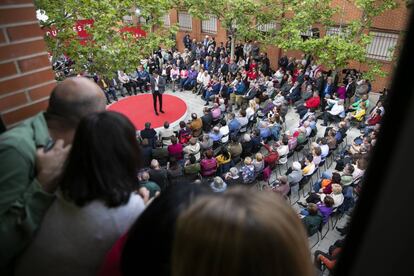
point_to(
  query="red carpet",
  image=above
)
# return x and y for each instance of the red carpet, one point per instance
(140, 109)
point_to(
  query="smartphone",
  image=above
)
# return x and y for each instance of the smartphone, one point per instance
(49, 145)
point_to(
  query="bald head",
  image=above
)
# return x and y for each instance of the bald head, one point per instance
(74, 98)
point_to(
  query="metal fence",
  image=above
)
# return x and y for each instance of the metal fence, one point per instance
(209, 25)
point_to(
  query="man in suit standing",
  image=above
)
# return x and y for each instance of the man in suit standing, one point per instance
(158, 88)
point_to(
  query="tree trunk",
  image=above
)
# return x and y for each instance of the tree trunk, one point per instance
(232, 46)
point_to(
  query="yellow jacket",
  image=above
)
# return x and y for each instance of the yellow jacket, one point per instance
(359, 115)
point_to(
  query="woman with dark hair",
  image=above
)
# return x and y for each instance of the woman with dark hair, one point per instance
(96, 202)
(208, 164)
(146, 248)
(184, 134)
(224, 161)
(175, 171)
(175, 150)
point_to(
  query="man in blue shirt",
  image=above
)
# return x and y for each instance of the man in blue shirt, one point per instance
(234, 125)
(215, 135)
(143, 79)
(211, 91)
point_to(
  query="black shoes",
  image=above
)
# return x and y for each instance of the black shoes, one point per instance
(162, 111)
(156, 113)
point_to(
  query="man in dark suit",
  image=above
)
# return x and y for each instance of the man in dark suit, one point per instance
(158, 88)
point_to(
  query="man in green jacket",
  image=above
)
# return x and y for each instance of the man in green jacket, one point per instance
(32, 155)
(312, 221)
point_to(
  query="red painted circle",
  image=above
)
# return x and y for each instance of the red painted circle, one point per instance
(140, 109)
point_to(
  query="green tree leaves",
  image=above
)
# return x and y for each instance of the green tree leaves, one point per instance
(108, 49)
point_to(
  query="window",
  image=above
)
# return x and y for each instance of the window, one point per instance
(166, 20)
(339, 31)
(127, 19)
(267, 27)
(209, 25)
(382, 46)
(185, 21)
(333, 30)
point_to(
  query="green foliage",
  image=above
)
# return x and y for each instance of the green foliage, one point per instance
(109, 49)
(375, 70)
(294, 18)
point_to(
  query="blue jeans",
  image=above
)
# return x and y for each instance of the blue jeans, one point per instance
(189, 83)
(182, 81)
(208, 95)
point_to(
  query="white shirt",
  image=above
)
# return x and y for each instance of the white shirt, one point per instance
(175, 74)
(192, 149)
(324, 150)
(283, 151)
(123, 77)
(338, 199)
(249, 112)
(224, 130)
(279, 75)
(200, 77)
(358, 173)
(336, 108)
(156, 83)
(206, 80)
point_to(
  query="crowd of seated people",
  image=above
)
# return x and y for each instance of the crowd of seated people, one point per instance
(241, 139)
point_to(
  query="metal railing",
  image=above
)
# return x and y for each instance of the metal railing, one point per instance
(185, 21)
(382, 46)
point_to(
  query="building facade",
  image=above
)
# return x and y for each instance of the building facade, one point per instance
(387, 31)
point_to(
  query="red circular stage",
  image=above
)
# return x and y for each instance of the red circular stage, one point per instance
(140, 109)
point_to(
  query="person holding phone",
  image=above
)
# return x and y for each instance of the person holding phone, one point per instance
(33, 154)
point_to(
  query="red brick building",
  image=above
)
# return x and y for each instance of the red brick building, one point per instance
(26, 76)
(386, 29)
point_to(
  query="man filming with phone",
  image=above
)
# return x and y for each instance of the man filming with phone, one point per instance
(32, 155)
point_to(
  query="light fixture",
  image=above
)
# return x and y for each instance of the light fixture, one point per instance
(137, 12)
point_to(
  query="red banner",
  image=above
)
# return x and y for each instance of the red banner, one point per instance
(81, 27)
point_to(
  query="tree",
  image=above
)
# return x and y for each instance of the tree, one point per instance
(294, 18)
(242, 18)
(336, 50)
(111, 44)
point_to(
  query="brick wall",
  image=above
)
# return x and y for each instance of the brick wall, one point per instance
(26, 77)
(220, 36)
(391, 21)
